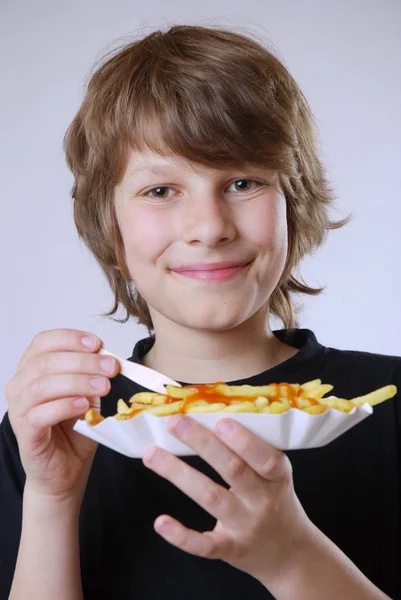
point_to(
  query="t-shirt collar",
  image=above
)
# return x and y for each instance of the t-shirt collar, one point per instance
(303, 339)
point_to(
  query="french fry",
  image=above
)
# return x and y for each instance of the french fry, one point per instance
(338, 403)
(165, 409)
(284, 401)
(309, 385)
(198, 403)
(316, 392)
(275, 408)
(159, 400)
(266, 399)
(145, 397)
(128, 416)
(316, 409)
(137, 406)
(240, 408)
(376, 397)
(261, 402)
(182, 392)
(248, 391)
(123, 408)
(92, 417)
(285, 390)
(206, 408)
(303, 402)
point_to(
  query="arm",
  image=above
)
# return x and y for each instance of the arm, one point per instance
(321, 570)
(53, 386)
(48, 563)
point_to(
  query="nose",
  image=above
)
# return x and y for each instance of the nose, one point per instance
(208, 221)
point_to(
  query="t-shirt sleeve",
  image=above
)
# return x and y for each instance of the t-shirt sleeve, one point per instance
(397, 382)
(12, 480)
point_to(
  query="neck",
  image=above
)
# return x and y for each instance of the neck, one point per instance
(199, 356)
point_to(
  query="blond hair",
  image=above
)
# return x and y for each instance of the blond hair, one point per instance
(212, 96)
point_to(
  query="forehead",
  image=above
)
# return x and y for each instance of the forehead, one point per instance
(147, 162)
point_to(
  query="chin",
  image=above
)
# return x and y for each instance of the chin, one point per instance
(215, 319)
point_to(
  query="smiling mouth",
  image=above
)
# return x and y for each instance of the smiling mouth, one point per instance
(212, 271)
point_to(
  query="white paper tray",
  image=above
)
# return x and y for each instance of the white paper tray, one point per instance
(292, 430)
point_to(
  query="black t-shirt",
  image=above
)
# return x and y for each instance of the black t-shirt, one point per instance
(350, 489)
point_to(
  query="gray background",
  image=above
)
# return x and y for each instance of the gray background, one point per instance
(346, 56)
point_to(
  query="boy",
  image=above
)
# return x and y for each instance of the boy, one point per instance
(198, 189)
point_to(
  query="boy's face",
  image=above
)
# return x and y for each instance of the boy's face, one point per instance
(205, 247)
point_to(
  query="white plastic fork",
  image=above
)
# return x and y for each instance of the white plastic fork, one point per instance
(147, 378)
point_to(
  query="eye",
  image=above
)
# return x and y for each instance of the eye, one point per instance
(243, 185)
(160, 192)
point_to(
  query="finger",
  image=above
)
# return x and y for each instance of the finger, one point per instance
(41, 417)
(216, 500)
(207, 545)
(54, 387)
(231, 467)
(63, 362)
(56, 340)
(271, 464)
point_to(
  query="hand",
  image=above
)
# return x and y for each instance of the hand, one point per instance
(50, 390)
(261, 525)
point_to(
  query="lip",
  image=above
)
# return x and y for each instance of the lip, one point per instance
(218, 271)
(211, 266)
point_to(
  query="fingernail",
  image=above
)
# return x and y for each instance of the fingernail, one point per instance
(99, 383)
(180, 423)
(80, 403)
(225, 427)
(165, 527)
(152, 455)
(107, 365)
(89, 341)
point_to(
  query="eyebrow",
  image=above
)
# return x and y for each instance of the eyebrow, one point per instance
(152, 169)
(155, 169)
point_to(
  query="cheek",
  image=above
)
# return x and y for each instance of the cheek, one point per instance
(266, 226)
(145, 235)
